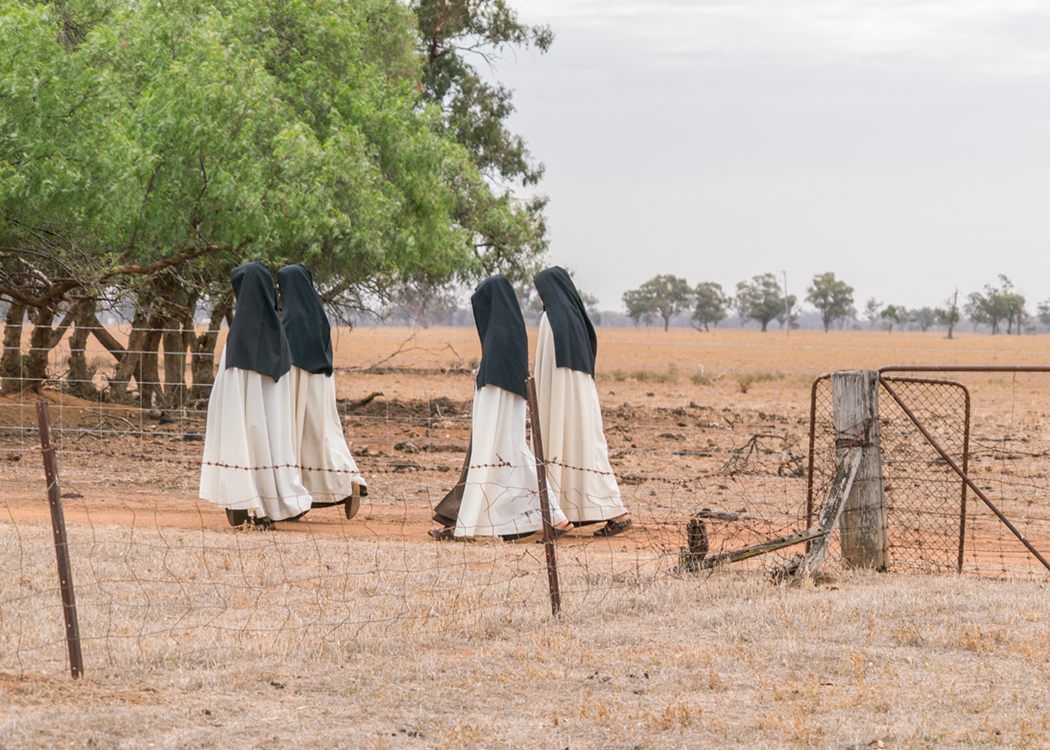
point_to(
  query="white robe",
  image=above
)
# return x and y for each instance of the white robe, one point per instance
(501, 494)
(327, 468)
(579, 475)
(249, 460)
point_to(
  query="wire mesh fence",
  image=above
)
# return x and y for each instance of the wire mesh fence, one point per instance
(933, 520)
(160, 575)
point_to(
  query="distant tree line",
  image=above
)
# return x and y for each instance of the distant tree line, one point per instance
(762, 299)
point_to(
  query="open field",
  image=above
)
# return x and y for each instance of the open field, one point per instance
(365, 633)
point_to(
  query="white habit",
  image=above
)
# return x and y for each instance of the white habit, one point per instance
(497, 498)
(328, 470)
(573, 436)
(249, 459)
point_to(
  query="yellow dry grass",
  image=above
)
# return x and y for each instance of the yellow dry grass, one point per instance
(199, 638)
(233, 642)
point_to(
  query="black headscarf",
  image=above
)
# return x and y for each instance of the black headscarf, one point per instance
(504, 343)
(575, 343)
(305, 323)
(256, 341)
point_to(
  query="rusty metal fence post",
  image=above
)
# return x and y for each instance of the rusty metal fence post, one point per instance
(58, 525)
(545, 508)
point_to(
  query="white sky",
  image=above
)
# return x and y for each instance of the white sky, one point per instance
(902, 144)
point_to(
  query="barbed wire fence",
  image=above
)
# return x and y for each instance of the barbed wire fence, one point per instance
(160, 576)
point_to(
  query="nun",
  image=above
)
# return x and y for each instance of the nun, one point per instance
(249, 464)
(328, 471)
(497, 493)
(579, 475)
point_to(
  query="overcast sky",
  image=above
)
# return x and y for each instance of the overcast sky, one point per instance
(902, 144)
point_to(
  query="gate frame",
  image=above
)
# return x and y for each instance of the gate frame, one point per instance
(930, 381)
(961, 471)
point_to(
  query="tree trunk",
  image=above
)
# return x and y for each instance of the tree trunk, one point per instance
(105, 338)
(39, 349)
(149, 386)
(175, 345)
(43, 340)
(129, 364)
(202, 349)
(178, 332)
(11, 362)
(80, 376)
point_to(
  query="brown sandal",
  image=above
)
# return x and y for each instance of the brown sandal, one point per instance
(612, 528)
(443, 534)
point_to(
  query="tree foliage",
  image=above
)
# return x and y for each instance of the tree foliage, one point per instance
(664, 295)
(761, 299)
(475, 112)
(996, 304)
(711, 304)
(893, 314)
(832, 298)
(143, 140)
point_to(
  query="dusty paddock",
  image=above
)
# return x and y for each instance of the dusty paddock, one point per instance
(636, 661)
(329, 634)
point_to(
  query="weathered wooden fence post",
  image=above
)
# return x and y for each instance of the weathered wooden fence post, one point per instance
(862, 528)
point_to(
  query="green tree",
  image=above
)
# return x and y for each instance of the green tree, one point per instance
(790, 311)
(832, 298)
(996, 304)
(475, 112)
(893, 314)
(66, 179)
(637, 303)
(665, 295)
(508, 234)
(1016, 312)
(711, 304)
(760, 299)
(150, 136)
(924, 317)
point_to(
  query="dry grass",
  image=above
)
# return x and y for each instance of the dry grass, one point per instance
(232, 640)
(370, 636)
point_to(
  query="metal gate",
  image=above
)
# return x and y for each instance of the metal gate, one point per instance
(924, 423)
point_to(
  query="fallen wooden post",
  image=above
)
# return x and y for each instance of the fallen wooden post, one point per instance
(760, 549)
(829, 518)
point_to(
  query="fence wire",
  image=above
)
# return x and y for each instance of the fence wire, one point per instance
(933, 522)
(160, 576)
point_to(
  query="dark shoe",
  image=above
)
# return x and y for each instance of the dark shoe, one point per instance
(352, 505)
(444, 534)
(516, 537)
(263, 523)
(558, 533)
(612, 528)
(236, 517)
